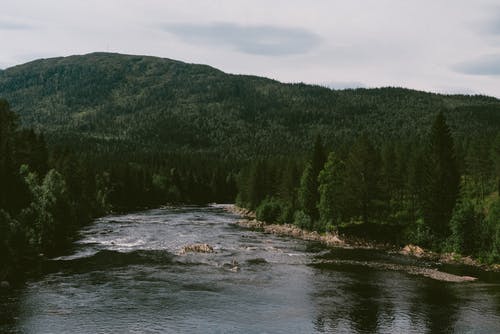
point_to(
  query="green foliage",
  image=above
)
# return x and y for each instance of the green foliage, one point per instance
(495, 156)
(255, 184)
(332, 204)
(114, 104)
(466, 223)
(363, 180)
(397, 193)
(440, 185)
(269, 210)
(307, 191)
(5, 247)
(287, 213)
(302, 220)
(54, 201)
(131, 131)
(491, 232)
(103, 186)
(418, 233)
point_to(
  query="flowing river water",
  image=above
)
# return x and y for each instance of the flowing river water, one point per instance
(127, 275)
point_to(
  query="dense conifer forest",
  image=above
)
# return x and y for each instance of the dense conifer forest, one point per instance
(84, 135)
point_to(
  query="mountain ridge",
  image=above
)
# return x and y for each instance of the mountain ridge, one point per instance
(171, 105)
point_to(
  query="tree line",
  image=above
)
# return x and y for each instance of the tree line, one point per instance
(432, 192)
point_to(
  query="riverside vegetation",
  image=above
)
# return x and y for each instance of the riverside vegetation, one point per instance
(106, 132)
(397, 195)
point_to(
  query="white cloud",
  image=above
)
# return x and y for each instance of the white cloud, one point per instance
(256, 39)
(485, 65)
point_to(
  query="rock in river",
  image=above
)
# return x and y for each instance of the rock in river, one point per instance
(197, 248)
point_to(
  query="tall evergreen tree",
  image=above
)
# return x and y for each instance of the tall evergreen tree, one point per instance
(495, 156)
(363, 179)
(441, 180)
(331, 189)
(257, 186)
(7, 127)
(308, 190)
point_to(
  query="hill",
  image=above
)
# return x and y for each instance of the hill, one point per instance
(115, 103)
(128, 132)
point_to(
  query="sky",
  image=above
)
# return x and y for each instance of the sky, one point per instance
(445, 46)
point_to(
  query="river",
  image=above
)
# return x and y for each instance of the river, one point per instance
(126, 275)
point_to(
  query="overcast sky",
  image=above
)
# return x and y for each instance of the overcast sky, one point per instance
(450, 46)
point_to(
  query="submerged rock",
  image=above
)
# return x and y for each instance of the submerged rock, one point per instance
(197, 248)
(234, 266)
(412, 270)
(4, 285)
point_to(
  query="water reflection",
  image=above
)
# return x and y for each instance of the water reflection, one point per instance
(9, 310)
(437, 303)
(367, 306)
(353, 299)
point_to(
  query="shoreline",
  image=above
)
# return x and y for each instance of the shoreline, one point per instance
(332, 240)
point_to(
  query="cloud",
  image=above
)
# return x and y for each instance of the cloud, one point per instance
(492, 25)
(256, 39)
(485, 65)
(6, 25)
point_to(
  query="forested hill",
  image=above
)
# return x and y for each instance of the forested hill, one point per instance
(119, 102)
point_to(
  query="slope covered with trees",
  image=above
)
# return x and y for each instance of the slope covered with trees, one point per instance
(105, 132)
(117, 103)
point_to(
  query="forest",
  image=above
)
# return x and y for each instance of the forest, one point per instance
(119, 104)
(397, 193)
(83, 136)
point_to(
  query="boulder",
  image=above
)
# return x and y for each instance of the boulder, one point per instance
(412, 250)
(197, 248)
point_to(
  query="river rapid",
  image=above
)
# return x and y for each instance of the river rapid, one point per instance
(127, 274)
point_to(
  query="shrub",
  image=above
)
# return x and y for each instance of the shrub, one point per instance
(465, 227)
(269, 210)
(302, 220)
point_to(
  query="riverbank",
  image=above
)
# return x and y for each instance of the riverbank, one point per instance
(333, 240)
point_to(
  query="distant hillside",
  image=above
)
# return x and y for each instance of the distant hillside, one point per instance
(115, 101)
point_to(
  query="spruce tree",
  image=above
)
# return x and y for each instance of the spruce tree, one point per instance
(441, 180)
(7, 133)
(495, 156)
(363, 180)
(308, 190)
(331, 190)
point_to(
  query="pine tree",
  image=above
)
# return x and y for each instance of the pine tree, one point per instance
(441, 180)
(7, 133)
(363, 179)
(257, 184)
(308, 190)
(331, 190)
(495, 156)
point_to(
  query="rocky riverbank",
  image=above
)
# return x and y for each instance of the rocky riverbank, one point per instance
(449, 258)
(334, 240)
